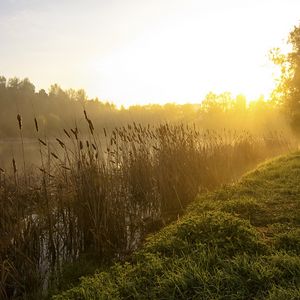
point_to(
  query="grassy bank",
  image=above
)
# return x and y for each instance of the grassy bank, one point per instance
(240, 242)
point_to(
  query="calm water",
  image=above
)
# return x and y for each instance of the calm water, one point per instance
(10, 148)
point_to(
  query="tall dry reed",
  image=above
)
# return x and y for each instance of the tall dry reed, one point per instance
(101, 194)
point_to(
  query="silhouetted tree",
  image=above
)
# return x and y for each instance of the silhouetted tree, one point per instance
(2, 82)
(287, 91)
(60, 108)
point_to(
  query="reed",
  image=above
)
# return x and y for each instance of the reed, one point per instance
(99, 195)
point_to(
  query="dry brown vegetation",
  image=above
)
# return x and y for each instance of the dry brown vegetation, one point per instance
(101, 193)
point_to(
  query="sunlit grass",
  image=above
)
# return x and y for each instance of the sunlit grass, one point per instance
(219, 249)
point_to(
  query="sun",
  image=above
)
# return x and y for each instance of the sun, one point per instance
(183, 57)
(153, 71)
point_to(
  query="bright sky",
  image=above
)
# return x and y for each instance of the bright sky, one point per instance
(141, 51)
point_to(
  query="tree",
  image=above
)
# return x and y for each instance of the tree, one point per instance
(27, 87)
(287, 91)
(42, 94)
(14, 83)
(2, 82)
(57, 92)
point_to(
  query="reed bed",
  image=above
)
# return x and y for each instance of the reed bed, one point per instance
(99, 195)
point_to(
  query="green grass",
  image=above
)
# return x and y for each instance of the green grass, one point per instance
(240, 242)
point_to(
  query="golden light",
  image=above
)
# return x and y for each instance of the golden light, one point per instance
(139, 51)
(187, 54)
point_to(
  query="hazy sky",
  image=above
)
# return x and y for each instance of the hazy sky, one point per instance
(140, 51)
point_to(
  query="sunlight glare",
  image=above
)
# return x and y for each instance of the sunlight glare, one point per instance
(183, 57)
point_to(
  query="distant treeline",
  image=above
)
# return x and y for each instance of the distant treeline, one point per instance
(60, 108)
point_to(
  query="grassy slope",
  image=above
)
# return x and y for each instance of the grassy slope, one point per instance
(240, 242)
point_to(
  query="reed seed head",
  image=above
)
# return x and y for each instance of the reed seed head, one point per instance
(19, 118)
